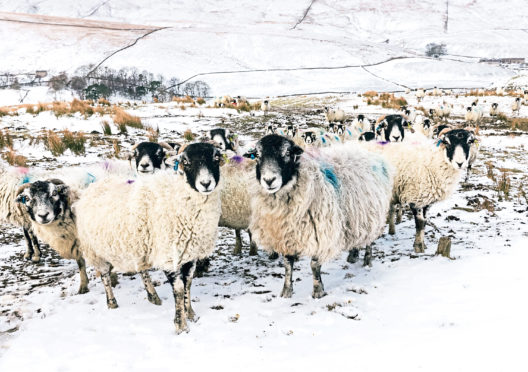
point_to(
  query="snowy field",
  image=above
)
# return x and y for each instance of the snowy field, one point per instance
(408, 311)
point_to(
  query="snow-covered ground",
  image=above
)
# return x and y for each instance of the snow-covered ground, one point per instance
(408, 312)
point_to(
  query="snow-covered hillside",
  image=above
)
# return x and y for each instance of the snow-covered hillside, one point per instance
(186, 38)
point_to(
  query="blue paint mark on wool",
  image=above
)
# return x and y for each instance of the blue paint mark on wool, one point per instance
(330, 176)
(90, 178)
(382, 168)
(25, 179)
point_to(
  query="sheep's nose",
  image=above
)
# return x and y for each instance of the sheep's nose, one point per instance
(269, 181)
(43, 216)
(460, 164)
(205, 184)
(144, 165)
(396, 138)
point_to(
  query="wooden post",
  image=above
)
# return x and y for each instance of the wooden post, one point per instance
(444, 247)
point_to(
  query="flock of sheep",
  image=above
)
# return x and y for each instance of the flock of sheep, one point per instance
(312, 193)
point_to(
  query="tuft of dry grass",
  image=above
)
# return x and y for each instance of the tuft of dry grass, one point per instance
(188, 135)
(60, 108)
(370, 94)
(83, 107)
(185, 99)
(107, 130)
(388, 100)
(504, 186)
(74, 141)
(117, 148)
(519, 123)
(153, 134)
(5, 139)
(182, 107)
(16, 160)
(103, 102)
(54, 143)
(200, 101)
(121, 117)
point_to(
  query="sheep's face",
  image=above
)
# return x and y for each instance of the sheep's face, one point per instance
(494, 105)
(200, 165)
(361, 117)
(44, 201)
(468, 109)
(224, 138)
(277, 162)
(291, 130)
(308, 137)
(390, 129)
(270, 129)
(149, 157)
(457, 143)
(340, 129)
(427, 124)
(332, 128)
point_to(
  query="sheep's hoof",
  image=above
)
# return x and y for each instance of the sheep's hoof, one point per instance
(238, 248)
(191, 315)
(27, 256)
(112, 304)
(353, 255)
(318, 293)
(181, 326)
(287, 292)
(35, 259)
(154, 299)
(273, 256)
(367, 261)
(392, 230)
(253, 249)
(83, 290)
(419, 247)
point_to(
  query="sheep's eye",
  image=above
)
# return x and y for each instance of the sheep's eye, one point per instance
(185, 162)
(54, 193)
(288, 153)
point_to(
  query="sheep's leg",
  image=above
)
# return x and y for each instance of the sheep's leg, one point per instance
(83, 288)
(29, 245)
(152, 296)
(36, 247)
(252, 245)
(273, 256)
(419, 219)
(467, 173)
(399, 213)
(178, 290)
(392, 227)
(202, 266)
(318, 288)
(107, 283)
(238, 243)
(187, 271)
(367, 258)
(287, 290)
(353, 255)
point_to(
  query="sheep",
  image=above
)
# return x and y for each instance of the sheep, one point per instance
(367, 136)
(218, 102)
(473, 113)
(499, 91)
(420, 94)
(441, 111)
(390, 128)
(12, 212)
(237, 174)
(436, 92)
(361, 124)
(516, 106)
(165, 221)
(270, 129)
(226, 140)
(494, 110)
(473, 152)
(424, 127)
(316, 203)
(333, 115)
(240, 100)
(525, 96)
(226, 100)
(150, 157)
(265, 106)
(426, 174)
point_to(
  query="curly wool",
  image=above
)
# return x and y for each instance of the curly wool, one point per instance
(157, 221)
(236, 210)
(423, 176)
(340, 201)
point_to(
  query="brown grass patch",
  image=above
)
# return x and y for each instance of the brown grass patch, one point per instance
(519, 123)
(200, 101)
(188, 135)
(74, 141)
(16, 160)
(107, 130)
(121, 117)
(370, 94)
(5, 139)
(54, 143)
(388, 100)
(185, 99)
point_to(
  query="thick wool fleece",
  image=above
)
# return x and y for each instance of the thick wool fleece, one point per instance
(339, 201)
(156, 221)
(423, 176)
(237, 176)
(11, 211)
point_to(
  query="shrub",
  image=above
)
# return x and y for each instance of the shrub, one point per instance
(370, 93)
(16, 160)
(200, 101)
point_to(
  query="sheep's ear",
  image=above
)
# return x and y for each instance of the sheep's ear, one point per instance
(62, 189)
(173, 161)
(21, 193)
(297, 152)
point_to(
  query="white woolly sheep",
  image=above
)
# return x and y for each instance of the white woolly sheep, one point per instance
(334, 115)
(494, 110)
(500, 91)
(265, 106)
(165, 221)
(516, 106)
(318, 203)
(420, 94)
(426, 174)
(13, 212)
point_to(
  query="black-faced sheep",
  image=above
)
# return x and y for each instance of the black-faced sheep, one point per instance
(165, 221)
(316, 203)
(150, 157)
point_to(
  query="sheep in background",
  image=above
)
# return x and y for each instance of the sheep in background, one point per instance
(436, 92)
(516, 106)
(225, 140)
(424, 127)
(226, 100)
(420, 94)
(494, 110)
(13, 212)
(315, 203)
(390, 128)
(473, 114)
(333, 115)
(525, 96)
(361, 124)
(240, 100)
(177, 215)
(500, 91)
(150, 157)
(265, 106)
(270, 129)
